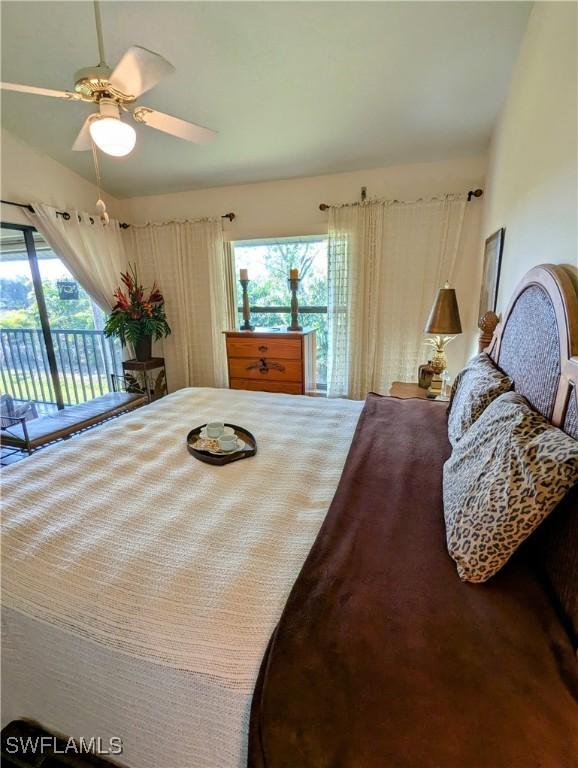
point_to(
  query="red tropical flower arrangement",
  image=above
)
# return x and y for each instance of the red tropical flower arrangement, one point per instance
(135, 317)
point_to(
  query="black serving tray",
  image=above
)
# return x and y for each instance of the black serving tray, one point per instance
(211, 458)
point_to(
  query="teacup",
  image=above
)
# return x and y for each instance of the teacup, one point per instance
(215, 429)
(228, 442)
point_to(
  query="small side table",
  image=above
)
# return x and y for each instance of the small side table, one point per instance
(153, 385)
(406, 390)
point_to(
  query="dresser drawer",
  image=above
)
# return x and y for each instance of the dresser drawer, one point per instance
(286, 387)
(288, 349)
(276, 370)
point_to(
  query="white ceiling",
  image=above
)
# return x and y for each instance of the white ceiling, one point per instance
(294, 89)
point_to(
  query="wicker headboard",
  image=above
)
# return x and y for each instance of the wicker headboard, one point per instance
(536, 343)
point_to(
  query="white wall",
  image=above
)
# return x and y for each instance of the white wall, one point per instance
(28, 175)
(532, 184)
(291, 207)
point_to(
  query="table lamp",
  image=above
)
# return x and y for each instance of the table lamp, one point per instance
(444, 321)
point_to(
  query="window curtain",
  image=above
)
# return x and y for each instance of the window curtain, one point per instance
(188, 261)
(230, 287)
(386, 262)
(93, 252)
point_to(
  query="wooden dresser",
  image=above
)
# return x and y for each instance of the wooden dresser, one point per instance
(272, 361)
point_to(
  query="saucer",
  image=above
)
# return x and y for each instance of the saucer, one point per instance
(240, 445)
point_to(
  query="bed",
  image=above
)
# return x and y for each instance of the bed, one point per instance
(383, 658)
(140, 586)
(174, 605)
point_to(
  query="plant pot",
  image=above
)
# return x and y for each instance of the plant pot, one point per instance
(143, 348)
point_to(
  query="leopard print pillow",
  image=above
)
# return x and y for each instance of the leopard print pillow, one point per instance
(475, 387)
(503, 478)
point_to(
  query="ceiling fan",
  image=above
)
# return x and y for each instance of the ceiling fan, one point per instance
(116, 91)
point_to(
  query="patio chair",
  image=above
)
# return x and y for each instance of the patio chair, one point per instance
(15, 414)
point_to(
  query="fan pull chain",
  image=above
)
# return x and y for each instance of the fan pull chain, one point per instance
(100, 204)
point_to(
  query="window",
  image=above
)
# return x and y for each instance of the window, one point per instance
(268, 263)
(52, 348)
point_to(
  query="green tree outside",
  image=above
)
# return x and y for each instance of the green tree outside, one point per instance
(67, 314)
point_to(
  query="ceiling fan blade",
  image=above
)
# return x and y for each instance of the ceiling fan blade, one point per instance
(68, 95)
(83, 140)
(173, 125)
(139, 70)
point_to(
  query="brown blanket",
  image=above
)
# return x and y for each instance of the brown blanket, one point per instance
(383, 658)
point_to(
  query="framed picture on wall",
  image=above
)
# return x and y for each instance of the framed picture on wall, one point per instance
(491, 274)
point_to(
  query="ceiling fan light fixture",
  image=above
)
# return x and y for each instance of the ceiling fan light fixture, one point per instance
(137, 72)
(113, 136)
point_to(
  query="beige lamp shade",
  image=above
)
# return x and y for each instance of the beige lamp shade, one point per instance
(444, 317)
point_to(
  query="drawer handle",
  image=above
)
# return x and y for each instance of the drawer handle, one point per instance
(263, 348)
(265, 367)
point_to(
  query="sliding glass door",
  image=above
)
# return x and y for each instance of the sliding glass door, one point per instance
(52, 348)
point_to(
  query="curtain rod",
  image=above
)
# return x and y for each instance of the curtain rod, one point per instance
(66, 216)
(471, 193)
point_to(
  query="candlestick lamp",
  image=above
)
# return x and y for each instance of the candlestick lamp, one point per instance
(244, 280)
(293, 286)
(444, 322)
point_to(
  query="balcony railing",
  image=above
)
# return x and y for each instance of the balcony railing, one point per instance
(85, 362)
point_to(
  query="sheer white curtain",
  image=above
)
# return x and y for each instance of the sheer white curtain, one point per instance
(230, 288)
(386, 262)
(93, 252)
(189, 263)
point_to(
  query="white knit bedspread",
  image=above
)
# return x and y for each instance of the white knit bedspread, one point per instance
(140, 586)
